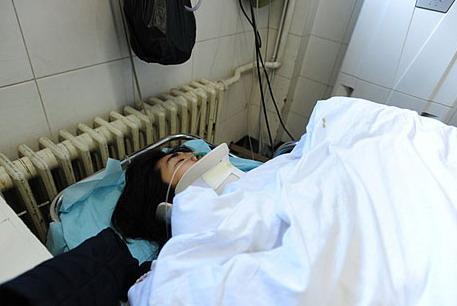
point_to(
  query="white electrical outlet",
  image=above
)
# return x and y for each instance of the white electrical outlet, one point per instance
(435, 5)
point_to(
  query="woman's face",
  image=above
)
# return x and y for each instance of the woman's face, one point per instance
(179, 162)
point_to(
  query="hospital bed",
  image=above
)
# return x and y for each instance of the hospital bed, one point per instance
(63, 237)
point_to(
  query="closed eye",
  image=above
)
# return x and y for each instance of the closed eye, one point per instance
(172, 156)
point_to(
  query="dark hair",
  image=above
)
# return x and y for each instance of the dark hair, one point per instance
(134, 214)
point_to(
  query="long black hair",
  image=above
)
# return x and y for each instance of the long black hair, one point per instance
(134, 214)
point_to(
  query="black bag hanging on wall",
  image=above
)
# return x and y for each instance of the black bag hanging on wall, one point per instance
(161, 31)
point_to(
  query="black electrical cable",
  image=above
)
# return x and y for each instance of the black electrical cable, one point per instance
(267, 77)
(258, 44)
(256, 33)
(265, 114)
(274, 101)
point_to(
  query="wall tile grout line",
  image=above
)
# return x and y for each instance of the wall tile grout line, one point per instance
(15, 83)
(31, 67)
(227, 35)
(82, 67)
(396, 90)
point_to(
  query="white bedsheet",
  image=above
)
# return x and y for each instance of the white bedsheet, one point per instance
(362, 212)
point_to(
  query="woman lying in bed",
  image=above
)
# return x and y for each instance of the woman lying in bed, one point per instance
(153, 179)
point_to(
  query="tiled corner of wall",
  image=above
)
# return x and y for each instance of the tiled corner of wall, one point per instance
(332, 19)
(290, 55)
(308, 92)
(14, 65)
(297, 126)
(21, 117)
(268, 37)
(303, 16)
(255, 114)
(320, 58)
(352, 21)
(371, 92)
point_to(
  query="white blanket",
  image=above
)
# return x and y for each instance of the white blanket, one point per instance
(362, 212)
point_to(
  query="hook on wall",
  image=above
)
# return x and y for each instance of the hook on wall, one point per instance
(195, 7)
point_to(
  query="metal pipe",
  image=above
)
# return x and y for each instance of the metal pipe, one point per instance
(281, 27)
(246, 68)
(128, 159)
(289, 6)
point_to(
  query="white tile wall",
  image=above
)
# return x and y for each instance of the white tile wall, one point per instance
(323, 27)
(354, 16)
(303, 17)
(401, 100)
(268, 43)
(253, 122)
(320, 58)
(217, 58)
(290, 55)
(275, 14)
(371, 92)
(262, 15)
(233, 129)
(78, 52)
(296, 124)
(22, 119)
(307, 94)
(280, 90)
(453, 120)
(79, 96)
(155, 79)
(442, 112)
(14, 65)
(68, 34)
(337, 64)
(237, 97)
(217, 18)
(332, 18)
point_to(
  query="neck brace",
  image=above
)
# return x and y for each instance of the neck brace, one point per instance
(213, 170)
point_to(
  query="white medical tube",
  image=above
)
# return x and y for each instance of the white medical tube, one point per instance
(168, 193)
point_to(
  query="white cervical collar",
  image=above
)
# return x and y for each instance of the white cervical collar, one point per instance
(214, 169)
